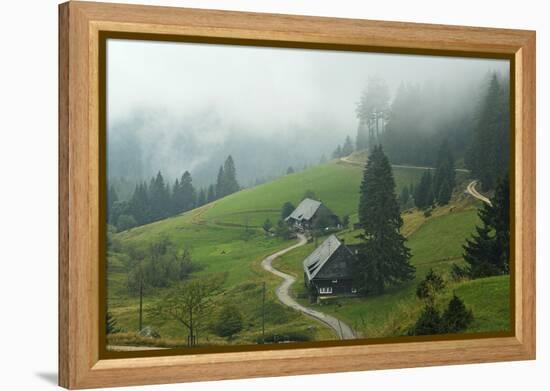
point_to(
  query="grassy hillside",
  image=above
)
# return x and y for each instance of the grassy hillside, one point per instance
(435, 243)
(225, 236)
(335, 183)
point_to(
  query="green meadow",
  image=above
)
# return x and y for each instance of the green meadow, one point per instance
(435, 243)
(226, 237)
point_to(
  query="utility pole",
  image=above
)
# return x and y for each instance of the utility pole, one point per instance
(263, 313)
(140, 304)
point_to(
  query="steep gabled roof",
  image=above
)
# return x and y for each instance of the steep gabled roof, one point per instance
(317, 259)
(305, 210)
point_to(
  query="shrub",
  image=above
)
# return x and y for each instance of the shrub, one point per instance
(430, 286)
(287, 209)
(456, 317)
(229, 321)
(126, 222)
(428, 323)
(459, 273)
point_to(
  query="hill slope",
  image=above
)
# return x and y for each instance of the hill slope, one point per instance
(225, 236)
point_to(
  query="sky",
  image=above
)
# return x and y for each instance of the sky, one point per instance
(260, 89)
(202, 96)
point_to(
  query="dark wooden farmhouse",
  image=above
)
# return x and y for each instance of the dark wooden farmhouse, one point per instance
(328, 269)
(308, 211)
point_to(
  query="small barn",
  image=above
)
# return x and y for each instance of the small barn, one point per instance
(308, 211)
(329, 269)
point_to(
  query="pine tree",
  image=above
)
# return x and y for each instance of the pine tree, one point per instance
(159, 197)
(372, 108)
(211, 195)
(488, 251)
(404, 196)
(423, 197)
(383, 258)
(230, 173)
(445, 192)
(444, 179)
(112, 197)
(140, 205)
(489, 153)
(220, 184)
(456, 317)
(337, 152)
(176, 197)
(289, 170)
(345, 221)
(187, 195)
(362, 138)
(429, 322)
(347, 148)
(201, 198)
(287, 209)
(432, 284)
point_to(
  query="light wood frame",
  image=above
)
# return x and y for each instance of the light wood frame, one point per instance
(80, 23)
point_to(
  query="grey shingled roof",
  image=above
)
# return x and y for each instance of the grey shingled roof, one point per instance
(305, 210)
(315, 261)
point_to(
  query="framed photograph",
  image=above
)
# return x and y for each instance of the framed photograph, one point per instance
(246, 195)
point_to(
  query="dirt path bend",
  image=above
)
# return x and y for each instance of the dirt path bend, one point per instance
(342, 329)
(346, 159)
(471, 189)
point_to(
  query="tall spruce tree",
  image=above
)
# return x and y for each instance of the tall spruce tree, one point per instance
(187, 195)
(371, 111)
(220, 184)
(211, 194)
(139, 206)
(201, 198)
(112, 197)
(230, 173)
(444, 179)
(404, 196)
(176, 197)
(423, 193)
(383, 258)
(347, 148)
(488, 251)
(159, 197)
(489, 152)
(445, 192)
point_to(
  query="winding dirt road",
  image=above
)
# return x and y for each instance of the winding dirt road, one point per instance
(346, 160)
(342, 329)
(471, 189)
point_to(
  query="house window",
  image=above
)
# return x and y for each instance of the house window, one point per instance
(325, 290)
(353, 290)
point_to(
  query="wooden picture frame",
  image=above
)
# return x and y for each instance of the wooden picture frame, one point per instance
(80, 317)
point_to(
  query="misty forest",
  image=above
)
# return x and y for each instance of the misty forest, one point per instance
(264, 196)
